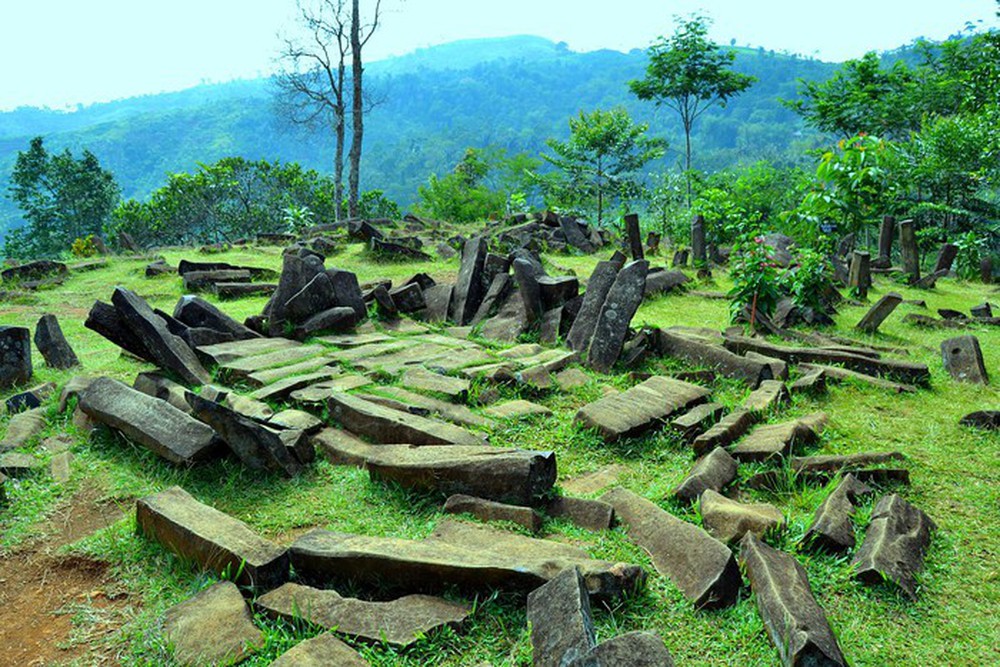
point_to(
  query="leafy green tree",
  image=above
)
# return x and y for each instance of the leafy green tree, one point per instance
(61, 197)
(600, 161)
(690, 74)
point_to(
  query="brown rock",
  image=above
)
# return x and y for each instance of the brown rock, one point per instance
(711, 472)
(213, 627)
(894, 545)
(729, 521)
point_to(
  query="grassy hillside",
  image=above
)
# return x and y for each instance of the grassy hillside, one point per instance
(955, 479)
(513, 93)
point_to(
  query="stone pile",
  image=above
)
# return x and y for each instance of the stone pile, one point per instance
(228, 281)
(33, 275)
(550, 231)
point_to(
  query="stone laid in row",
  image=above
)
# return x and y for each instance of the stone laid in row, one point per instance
(399, 623)
(387, 426)
(455, 554)
(211, 539)
(778, 440)
(643, 407)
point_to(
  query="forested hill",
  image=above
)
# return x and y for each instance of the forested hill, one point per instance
(513, 93)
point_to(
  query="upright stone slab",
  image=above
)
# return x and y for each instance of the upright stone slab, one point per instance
(702, 567)
(167, 350)
(399, 623)
(643, 407)
(149, 421)
(211, 539)
(582, 331)
(51, 342)
(909, 250)
(529, 289)
(860, 277)
(876, 314)
(794, 621)
(469, 288)
(886, 233)
(986, 270)
(213, 627)
(699, 249)
(616, 314)
(15, 356)
(458, 554)
(562, 629)
(831, 528)
(105, 320)
(634, 236)
(711, 472)
(257, 447)
(894, 546)
(946, 257)
(388, 426)
(963, 359)
(506, 475)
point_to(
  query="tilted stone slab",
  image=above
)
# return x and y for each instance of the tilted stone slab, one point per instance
(711, 472)
(963, 359)
(506, 475)
(272, 375)
(831, 527)
(582, 331)
(616, 314)
(457, 414)
(767, 397)
(257, 447)
(387, 426)
(778, 440)
(399, 622)
(105, 320)
(491, 510)
(795, 623)
(473, 558)
(166, 349)
(196, 312)
(419, 379)
(149, 421)
(895, 543)
(211, 539)
(51, 342)
(213, 627)
(729, 520)
(697, 420)
(645, 406)
(22, 428)
(726, 431)
(341, 447)
(562, 628)
(879, 312)
(224, 353)
(702, 567)
(469, 289)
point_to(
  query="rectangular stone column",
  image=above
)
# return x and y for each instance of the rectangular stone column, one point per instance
(860, 277)
(909, 251)
(884, 259)
(634, 236)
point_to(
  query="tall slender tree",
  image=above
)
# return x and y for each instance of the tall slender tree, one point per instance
(690, 74)
(362, 29)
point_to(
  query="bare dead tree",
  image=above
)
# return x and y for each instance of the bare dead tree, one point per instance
(311, 82)
(361, 32)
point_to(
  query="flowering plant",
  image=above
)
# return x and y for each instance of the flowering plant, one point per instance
(755, 278)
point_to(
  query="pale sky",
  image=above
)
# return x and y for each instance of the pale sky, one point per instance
(59, 53)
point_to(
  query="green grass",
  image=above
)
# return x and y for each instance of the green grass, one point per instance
(955, 479)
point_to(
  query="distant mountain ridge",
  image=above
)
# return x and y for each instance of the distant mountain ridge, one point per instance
(511, 92)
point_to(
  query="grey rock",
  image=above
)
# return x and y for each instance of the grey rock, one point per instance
(15, 356)
(616, 314)
(894, 546)
(641, 408)
(963, 359)
(729, 520)
(469, 288)
(213, 627)
(387, 426)
(321, 651)
(831, 528)
(711, 472)
(562, 629)
(582, 331)
(51, 342)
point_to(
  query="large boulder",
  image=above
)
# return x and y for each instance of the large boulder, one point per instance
(15, 356)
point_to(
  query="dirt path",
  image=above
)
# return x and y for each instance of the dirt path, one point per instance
(41, 593)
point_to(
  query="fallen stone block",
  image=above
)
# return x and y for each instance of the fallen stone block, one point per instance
(149, 421)
(387, 426)
(697, 420)
(419, 379)
(711, 472)
(894, 546)
(831, 528)
(795, 623)
(22, 429)
(213, 627)
(505, 475)
(211, 539)
(163, 388)
(257, 447)
(837, 374)
(836, 463)
(729, 520)
(984, 419)
(702, 567)
(767, 397)
(812, 382)
(14, 464)
(321, 651)
(398, 623)
(470, 557)
(196, 312)
(726, 431)
(582, 512)
(721, 360)
(562, 629)
(518, 409)
(490, 510)
(778, 440)
(641, 408)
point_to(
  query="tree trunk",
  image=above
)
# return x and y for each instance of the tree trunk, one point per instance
(338, 165)
(687, 160)
(357, 110)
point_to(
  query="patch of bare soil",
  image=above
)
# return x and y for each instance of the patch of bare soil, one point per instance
(41, 593)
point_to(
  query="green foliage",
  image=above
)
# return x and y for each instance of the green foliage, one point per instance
(971, 247)
(374, 204)
(755, 278)
(689, 74)
(224, 201)
(61, 197)
(482, 186)
(810, 281)
(597, 167)
(84, 247)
